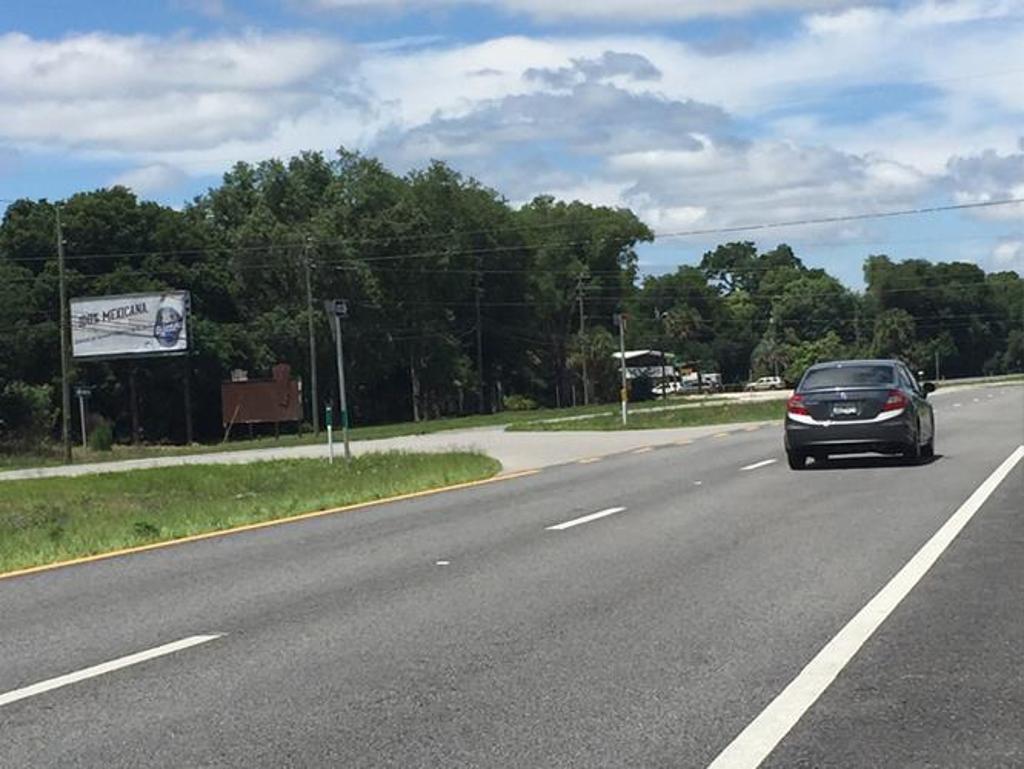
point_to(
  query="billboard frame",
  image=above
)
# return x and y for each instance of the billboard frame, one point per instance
(136, 355)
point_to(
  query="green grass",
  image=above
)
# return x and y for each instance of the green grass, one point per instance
(710, 414)
(55, 519)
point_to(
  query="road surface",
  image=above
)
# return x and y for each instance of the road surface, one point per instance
(642, 610)
(517, 451)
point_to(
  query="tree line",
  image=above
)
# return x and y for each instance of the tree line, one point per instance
(459, 302)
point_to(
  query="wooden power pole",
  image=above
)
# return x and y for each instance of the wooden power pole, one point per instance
(65, 361)
(314, 401)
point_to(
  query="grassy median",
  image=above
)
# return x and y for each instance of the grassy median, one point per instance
(56, 519)
(652, 419)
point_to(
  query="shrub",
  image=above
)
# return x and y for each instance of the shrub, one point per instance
(26, 415)
(102, 436)
(519, 403)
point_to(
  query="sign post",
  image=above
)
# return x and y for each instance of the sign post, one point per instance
(329, 422)
(338, 309)
(83, 393)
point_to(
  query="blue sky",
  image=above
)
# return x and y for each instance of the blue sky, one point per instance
(694, 113)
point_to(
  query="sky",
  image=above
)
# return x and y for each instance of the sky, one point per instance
(696, 114)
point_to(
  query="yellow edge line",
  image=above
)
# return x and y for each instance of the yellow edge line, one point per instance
(721, 435)
(263, 525)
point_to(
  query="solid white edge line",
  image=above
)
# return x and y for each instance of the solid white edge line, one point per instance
(106, 667)
(763, 463)
(586, 519)
(766, 731)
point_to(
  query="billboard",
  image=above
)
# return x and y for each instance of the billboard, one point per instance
(129, 325)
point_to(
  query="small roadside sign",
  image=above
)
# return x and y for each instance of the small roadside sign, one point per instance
(336, 308)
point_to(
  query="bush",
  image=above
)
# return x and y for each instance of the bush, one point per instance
(519, 403)
(102, 436)
(26, 415)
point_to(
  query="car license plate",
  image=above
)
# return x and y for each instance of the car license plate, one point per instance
(844, 409)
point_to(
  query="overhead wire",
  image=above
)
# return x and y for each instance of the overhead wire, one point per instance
(478, 251)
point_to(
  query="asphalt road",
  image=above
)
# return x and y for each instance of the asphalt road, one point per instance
(460, 630)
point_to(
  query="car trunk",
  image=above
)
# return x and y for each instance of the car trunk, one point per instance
(845, 403)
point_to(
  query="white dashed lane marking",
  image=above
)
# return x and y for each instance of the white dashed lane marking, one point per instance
(50, 684)
(763, 463)
(586, 519)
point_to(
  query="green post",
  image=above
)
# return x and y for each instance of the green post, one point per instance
(329, 423)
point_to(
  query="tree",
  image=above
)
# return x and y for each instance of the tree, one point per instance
(570, 243)
(807, 353)
(733, 266)
(894, 334)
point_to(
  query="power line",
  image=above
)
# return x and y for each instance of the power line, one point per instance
(524, 247)
(841, 219)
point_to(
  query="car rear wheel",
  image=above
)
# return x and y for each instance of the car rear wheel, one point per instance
(928, 450)
(797, 460)
(912, 453)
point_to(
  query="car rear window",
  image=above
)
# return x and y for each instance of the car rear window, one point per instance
(847, 376)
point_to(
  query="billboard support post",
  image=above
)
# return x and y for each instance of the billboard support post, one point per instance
(133, 396)
(187, 378)
(187, 386)
(65, 382)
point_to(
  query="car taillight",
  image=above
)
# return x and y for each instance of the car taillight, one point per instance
(895, 401)
(795, 405)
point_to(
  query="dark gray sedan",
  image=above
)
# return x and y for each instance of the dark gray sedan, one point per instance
(857, 406)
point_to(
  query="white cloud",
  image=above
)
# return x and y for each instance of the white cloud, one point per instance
(1008, 255)
(779, 128)
(151, 180)
(139, 94)
(1008, 251)
(990, 176)
(98, 64)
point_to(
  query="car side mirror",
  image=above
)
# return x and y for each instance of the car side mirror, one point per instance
(929, 387)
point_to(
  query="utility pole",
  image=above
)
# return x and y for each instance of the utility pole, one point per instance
(314, 401)
(660, 317)
(583, 351)
(480, 336)
(936, 364)
(620, 319)
(65, 383)
(341, 387)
